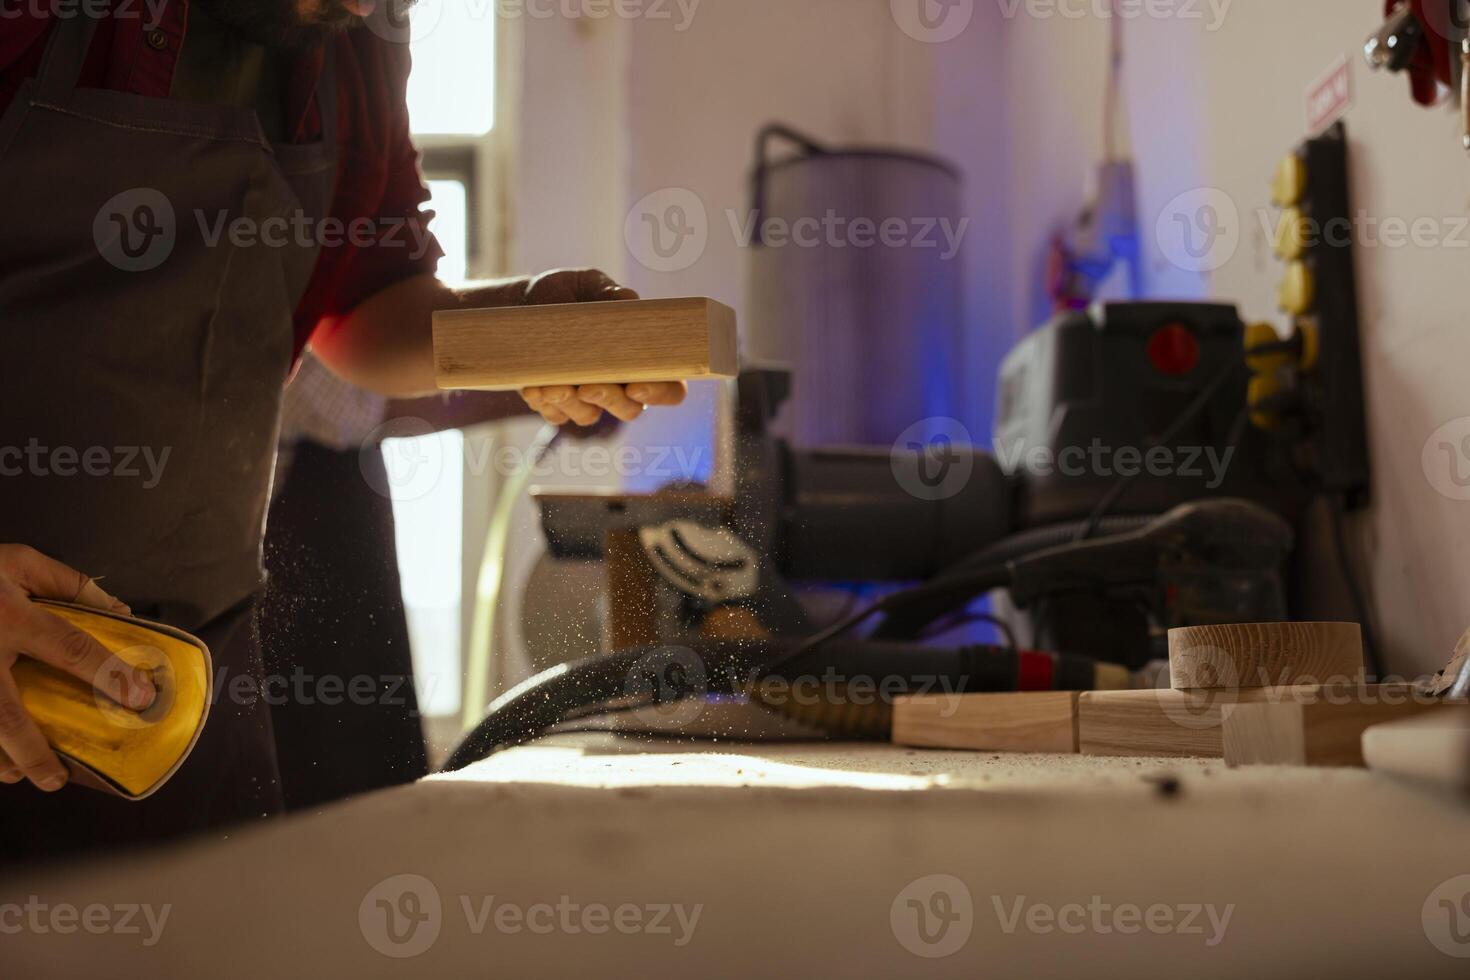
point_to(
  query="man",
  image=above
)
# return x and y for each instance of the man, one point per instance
(137, 324)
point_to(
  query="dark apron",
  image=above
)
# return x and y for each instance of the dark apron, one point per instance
(125, 331)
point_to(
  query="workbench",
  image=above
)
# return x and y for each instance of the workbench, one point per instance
(803, 860)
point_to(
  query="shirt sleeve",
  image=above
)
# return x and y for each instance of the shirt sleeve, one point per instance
(380, 195)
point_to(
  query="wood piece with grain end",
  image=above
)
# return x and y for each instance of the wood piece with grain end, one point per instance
(1164, 722)
(1264, 655)
(1317, 731)
(513, 347)
(1041, 721)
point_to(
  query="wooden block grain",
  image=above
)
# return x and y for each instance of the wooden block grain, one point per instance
(512, 347)
(1153, 722)
(1043, 721)
(1315, 732)
(1264, 655)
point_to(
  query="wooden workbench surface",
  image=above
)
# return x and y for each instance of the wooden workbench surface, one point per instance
(803, 860)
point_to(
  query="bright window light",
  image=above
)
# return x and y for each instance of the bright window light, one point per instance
(451, 227)
(426, 478)
(452, 88)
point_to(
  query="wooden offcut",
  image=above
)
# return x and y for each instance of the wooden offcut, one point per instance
(1248, 655)
(1325, 731)
(1432, 748)
(506, 348)
(1043, 721)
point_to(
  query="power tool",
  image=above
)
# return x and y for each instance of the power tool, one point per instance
(1098, 561)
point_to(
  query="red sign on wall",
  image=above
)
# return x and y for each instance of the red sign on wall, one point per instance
(1330, 96)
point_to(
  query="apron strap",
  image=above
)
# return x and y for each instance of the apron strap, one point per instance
(66, 52)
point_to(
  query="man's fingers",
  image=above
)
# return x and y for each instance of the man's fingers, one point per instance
(50, 639)
(659, 393)
(564, 398)
(536, 398)
(612, 398)
(8, 772)
(23, 742)
(47, 578)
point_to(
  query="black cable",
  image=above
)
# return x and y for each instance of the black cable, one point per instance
(1337, 506)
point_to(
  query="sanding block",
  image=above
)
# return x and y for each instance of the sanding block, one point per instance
(108, 747)
(511, 347)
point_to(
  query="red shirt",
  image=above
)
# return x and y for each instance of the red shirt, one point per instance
(378, 174)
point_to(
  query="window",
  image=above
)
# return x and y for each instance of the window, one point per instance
(451, 103)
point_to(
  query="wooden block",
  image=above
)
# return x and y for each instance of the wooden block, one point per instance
(1154, 722)
(513, 347)
(1318, 731)
(1043, 721)
(1264, 655)
(1433, 747)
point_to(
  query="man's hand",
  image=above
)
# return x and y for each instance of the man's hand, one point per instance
(28, 630)
(584, 405)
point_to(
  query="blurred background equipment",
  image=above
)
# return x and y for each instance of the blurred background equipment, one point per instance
(855, 282)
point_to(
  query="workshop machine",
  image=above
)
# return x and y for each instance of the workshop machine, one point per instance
(1152, 464)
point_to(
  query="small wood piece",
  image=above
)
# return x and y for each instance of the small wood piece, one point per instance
(511, 347)
(1315, 732)
(1042, 721)
(1250, 655)
(1431, 748)
(1153, 722)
